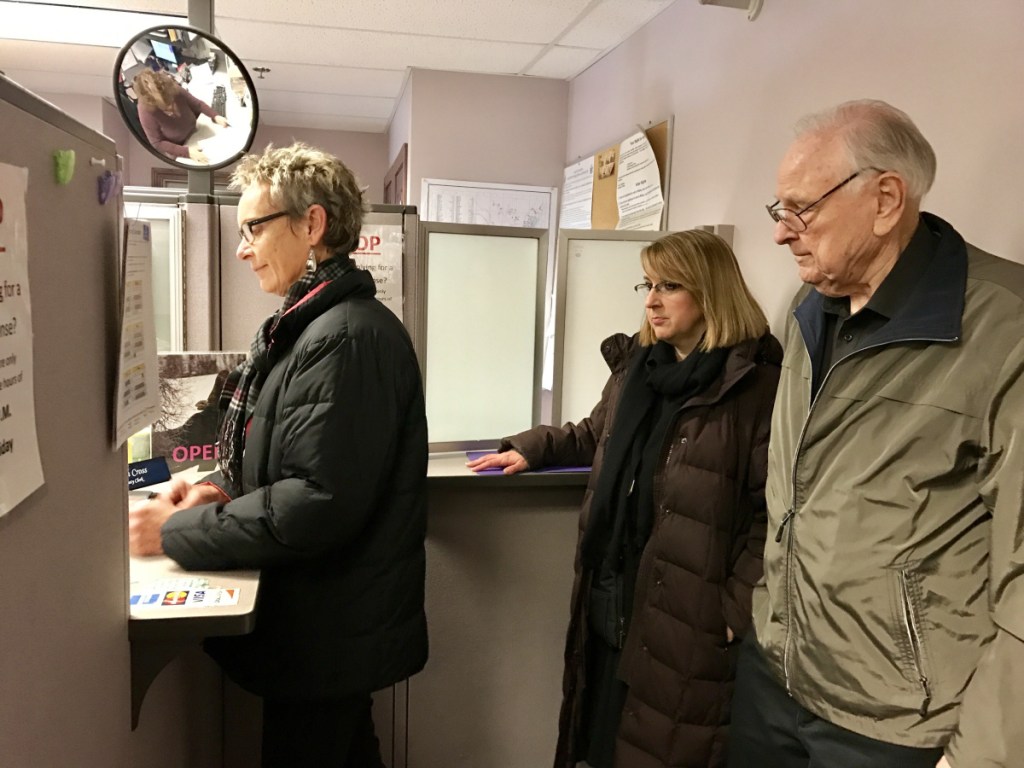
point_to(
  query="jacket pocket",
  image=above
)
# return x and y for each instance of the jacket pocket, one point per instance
(911, 620)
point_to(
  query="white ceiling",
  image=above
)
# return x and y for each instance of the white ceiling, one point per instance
(341, 64)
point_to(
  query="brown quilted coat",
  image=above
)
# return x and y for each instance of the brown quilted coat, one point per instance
(697, 570)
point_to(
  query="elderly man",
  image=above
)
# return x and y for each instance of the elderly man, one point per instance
(890, 624)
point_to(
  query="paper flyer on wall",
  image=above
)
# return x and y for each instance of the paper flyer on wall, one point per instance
(577, 195)
(137, 396)
(21, 471)
(380, 253)
(639, 185)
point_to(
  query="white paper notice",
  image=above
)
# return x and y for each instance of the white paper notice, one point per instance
(20, 469)
(380, 253)
(138, 390)
(639, 185)
(492, 206)
(578, 195)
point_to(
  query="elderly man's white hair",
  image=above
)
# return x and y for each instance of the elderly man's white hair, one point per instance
(878, 135)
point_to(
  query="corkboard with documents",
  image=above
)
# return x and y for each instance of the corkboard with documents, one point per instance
(622, 186)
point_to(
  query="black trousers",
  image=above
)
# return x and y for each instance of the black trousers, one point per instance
(319, 734)
(770, 730)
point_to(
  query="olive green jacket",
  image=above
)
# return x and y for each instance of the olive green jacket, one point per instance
(893, 597)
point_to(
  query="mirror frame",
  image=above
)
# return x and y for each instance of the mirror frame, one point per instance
(254, 99)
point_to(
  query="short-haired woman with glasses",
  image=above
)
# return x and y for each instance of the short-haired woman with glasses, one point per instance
(322, 481)
(673, 522)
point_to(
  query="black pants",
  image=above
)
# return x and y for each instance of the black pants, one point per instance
(319, 734)
(770, 730)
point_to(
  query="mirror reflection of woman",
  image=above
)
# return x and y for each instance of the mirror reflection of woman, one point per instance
(673, 523)
(168, 114)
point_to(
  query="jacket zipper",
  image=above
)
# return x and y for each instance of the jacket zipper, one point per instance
(913, 629)
(788, 518)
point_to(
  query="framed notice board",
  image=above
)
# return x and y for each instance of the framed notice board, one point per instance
(622, 186)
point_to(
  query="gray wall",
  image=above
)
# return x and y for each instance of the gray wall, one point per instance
(64, 681)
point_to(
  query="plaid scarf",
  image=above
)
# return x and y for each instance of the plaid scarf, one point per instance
(242, 388)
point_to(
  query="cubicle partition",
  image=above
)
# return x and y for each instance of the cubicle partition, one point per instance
(594, 299)
(480, 331)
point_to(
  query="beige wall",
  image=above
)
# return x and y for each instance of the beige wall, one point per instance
(366, 154)
(504, 129)
(400, 129)
(736, 87)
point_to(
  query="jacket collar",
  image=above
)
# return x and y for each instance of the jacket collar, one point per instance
(932, 311)
(352, 283)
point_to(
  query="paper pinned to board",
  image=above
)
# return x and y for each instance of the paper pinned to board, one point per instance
(638, 189)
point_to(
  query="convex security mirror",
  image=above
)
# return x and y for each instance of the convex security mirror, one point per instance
(186, 97)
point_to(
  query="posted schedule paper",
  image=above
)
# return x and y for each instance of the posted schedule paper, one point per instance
(20, 469)
(138, 388)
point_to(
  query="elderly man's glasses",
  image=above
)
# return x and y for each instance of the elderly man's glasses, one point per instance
(792, 218)
(665, 288)
(245, 231)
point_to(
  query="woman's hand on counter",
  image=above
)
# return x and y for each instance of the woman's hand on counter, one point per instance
(146, 519)
(184, 494)
(510, 461)
(144, 523)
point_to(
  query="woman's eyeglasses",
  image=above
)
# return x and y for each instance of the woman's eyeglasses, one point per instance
(664, 288)
(245, 231)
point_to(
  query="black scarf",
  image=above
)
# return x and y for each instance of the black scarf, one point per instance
(242, 388)
(656, 387)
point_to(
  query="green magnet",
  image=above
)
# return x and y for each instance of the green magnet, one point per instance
(64, 165)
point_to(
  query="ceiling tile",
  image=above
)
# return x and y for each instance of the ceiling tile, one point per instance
(57, 57)
(563, 62)
(148, 6)
(259, 43)
(612, 21)
(61, 82)
(524, 21)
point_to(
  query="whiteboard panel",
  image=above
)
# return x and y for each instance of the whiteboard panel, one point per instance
(481, 335)
(597, 272)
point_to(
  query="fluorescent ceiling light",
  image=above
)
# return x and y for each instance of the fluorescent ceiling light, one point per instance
(73, 24)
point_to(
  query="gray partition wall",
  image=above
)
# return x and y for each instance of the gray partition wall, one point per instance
(243, 306)
(594, 298)
(64, 673)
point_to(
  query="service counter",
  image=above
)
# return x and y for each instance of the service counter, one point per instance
(165, 618)
(499, 574)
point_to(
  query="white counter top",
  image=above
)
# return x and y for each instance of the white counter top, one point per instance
(162, 622)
